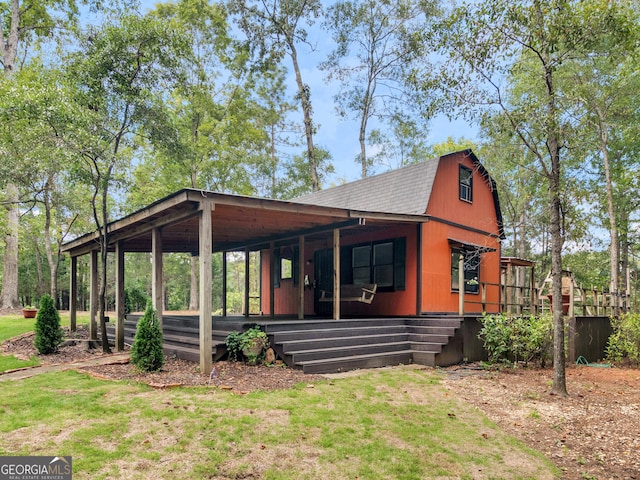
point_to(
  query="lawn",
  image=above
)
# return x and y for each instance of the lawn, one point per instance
(386, 423)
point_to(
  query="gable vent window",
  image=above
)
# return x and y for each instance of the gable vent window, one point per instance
(466, 184)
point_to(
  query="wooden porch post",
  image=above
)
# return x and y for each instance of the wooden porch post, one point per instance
(206, 247)
(461, 284)
(119, 340)
(73, 294)
(336, 274)
(246, 282)
(157, 283)
(224, 283)
(508, 297)
(272, 269)
(301, 277)
(533, 292)
(93, 295)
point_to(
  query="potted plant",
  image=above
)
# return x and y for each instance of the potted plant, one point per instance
(29, 311)
(251, 343)
(254, 342)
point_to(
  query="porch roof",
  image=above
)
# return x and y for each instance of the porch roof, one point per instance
(238, 222)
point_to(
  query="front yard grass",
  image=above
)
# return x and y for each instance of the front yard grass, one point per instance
(387, 423)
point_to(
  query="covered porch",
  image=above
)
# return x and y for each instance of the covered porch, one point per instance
(202, 223)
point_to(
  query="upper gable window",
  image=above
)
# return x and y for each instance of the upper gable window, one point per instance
(466, 184)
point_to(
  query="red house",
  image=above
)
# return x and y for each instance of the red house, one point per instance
(404, 256)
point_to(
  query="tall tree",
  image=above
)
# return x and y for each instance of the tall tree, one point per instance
(24, 24)
(275, 29)
(604, 88)
(485, 45)
(376, 43)
(121, 72)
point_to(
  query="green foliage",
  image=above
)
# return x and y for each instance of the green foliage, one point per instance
(514, 338)
(48, 332)
(146, 351)
(240, 345)
(135, 299)
(624, 342)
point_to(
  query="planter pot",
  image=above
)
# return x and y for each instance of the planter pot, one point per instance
(252, 351)
(29, 312)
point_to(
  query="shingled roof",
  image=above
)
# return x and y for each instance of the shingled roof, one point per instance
(403, 191)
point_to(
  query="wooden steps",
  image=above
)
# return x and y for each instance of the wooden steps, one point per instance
(334, 346)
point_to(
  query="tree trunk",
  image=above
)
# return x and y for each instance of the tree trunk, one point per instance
(553, 145)
(614, 247)
(9, 295)
(305, 100)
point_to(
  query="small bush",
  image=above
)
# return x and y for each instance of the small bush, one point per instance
(510, 339)
(624, 342)
(146, 351)
(48, 332)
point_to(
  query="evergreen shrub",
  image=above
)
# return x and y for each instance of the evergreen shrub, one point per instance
(510, 339)
(48, 332)
(146, 351)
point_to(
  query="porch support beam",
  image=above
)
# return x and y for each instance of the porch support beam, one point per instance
(93, 295)
(157, 283)
(73, 294)
(461, 283)
(336, 274)
(246, 282)
(272, 269)
(205, 237)
(119, 340)
(301, 265)
(224, 283)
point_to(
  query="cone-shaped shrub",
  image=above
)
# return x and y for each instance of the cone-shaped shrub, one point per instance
(48, 331)
(146, 351)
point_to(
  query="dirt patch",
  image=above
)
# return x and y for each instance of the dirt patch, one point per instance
(592, 434)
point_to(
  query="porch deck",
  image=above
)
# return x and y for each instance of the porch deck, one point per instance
(324, 346)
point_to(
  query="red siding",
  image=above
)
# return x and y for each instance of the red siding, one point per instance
(479, 215)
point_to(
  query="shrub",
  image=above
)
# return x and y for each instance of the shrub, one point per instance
(48, 332)
(146, 351)
(514, 338)
(624, 342)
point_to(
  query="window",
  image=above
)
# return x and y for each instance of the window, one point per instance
(285, 265)
(361, 264)
(382, 263)
(471, 271)
(286, 268)
(466, 183)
